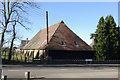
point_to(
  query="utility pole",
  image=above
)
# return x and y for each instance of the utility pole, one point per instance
(46, 49)
(47, 25)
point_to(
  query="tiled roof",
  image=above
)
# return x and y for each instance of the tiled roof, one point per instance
(39, 41)
(57, 33)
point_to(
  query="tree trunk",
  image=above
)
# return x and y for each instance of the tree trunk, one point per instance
(2, 40)
(10, 50)
(5, 26)
(11, 46)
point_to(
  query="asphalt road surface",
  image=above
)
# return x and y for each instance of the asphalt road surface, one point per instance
(61, 72)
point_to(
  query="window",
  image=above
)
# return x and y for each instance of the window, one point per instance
(63, 44)
(76, 44)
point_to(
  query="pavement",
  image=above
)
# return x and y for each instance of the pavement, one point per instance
(64, 65)
(62, 71)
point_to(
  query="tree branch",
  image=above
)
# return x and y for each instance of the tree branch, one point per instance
(8, 8)
(20, 7)
(20, 24)
(4, 11)
(23, 25)
(11, 10)
(2, 23)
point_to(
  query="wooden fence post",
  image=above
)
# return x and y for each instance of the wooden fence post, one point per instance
(27, 75)
(16, 56)
(33, 56)
(21, 58)
(118, 76)
(13, 56)
(5, 77)
(25, 58)
(28, 59)
(5, 54)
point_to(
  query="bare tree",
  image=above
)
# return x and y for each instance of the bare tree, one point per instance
(11, 46)
(12, 12)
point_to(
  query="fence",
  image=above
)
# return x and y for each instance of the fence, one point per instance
(78, 61)
(18, 58)
(21, 58)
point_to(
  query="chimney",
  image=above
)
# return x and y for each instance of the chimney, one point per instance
(26, 40)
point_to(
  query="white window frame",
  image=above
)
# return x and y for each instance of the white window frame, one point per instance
(63, 43)
(76, 44)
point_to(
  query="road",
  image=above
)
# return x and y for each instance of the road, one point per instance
(61, 72)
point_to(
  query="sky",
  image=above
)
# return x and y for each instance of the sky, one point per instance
(81, 17)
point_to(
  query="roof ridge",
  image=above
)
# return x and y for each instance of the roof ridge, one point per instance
(53, 32)
(52, 25)
(78, 36)
(56, 29)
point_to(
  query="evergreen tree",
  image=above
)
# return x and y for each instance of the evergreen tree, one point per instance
(107, 39)
(112, 37)
(100, 40)
(118, 42)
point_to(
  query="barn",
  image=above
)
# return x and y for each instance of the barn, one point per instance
(63, 44)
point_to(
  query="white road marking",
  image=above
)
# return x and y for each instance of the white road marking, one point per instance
(19, 70)
(98, 70)
(63, 69)
(112, 69)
